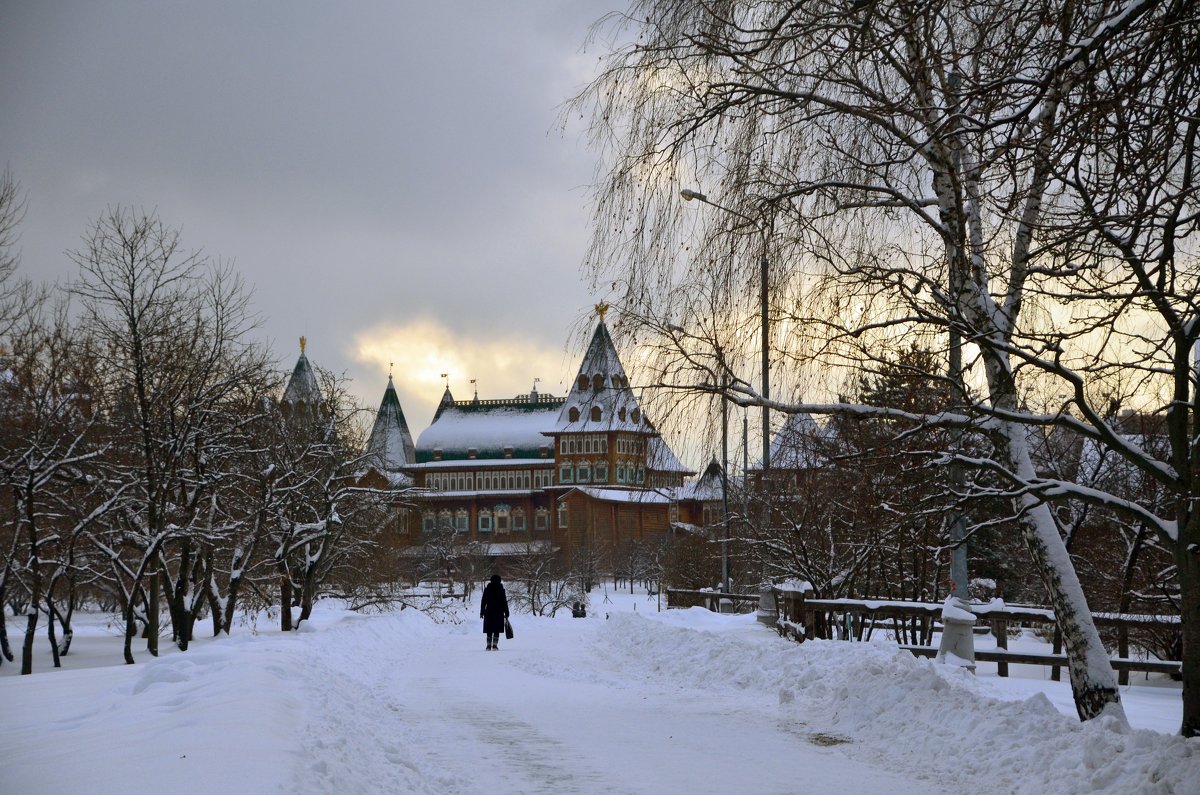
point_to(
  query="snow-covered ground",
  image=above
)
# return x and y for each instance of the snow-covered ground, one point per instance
(628, 700)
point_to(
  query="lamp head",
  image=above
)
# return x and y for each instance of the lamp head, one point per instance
(688, 194)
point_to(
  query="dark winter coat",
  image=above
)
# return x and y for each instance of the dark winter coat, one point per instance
(493, 609)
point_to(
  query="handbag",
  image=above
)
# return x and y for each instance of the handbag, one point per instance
(507, 630)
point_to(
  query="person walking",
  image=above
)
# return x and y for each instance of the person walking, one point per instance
(493, 609)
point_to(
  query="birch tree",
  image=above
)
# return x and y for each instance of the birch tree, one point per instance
(900, 166)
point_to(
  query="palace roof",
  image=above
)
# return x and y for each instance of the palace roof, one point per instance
(488, 427)
(601, 399)
(706, 489)
(302, 385)
(390, 445)
(800, 444)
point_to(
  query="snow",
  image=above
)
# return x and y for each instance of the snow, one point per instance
(628, 700)
(646, 496)
(491, 428)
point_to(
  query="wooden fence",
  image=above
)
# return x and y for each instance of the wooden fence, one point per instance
(711, 600)
(803, 618)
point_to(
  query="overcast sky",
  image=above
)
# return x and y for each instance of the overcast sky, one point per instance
(389, 176)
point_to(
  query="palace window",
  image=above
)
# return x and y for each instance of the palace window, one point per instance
(597, 383)
(595, 413)
(565, 474)
(445, 519)
(600, 472)
(428, 522)
(485, 521)
(518, 520)
(583, 381)
(562, 515)
(461, 520)
(621, 413)
(620, 471)
(583, 472)
(636, 416)
(641, 475)
(541, 519)
(502, 518)
(573, 414)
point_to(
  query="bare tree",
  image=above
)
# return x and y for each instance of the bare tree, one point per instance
(172, 327)
(47, 441)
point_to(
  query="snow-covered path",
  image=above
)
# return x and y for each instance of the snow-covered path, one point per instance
(674, 702)
(551, 712)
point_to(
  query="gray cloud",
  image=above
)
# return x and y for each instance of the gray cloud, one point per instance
(363, 164)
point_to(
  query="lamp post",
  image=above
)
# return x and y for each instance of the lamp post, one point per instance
(725, 490)
(766, 605)
(764, 319)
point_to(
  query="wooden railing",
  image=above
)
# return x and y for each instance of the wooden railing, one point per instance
(710, 600)
(803, 618)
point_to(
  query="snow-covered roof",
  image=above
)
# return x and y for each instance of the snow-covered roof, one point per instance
(395, 480)
(601, 399)
(800, 443)
(642, 496)
(661, 458)
(483, 463)
(489, 427)
(707, 488)
(390, 445)
(458, 495)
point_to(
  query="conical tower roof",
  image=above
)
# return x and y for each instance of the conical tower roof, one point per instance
(802, 443)
(601, 399)
(708, 487)
(302, 389)
(446, 401)
(390, 444)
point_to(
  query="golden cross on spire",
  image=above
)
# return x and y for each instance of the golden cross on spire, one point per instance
(601, 308)
(303, 342)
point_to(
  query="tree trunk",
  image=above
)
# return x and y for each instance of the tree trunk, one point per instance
(1092, 682)
(152, 603)
(55, 659)
(5, 648)
(130, 628)
(27, 646)
(182, 617)
(285, 600)
(1188, 564)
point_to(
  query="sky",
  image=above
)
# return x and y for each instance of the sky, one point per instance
(393, 178)
(628, 699)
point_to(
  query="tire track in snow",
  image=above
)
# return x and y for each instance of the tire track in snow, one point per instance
(518, 756)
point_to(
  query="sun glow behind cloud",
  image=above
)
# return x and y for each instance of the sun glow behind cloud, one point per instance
(424, 356)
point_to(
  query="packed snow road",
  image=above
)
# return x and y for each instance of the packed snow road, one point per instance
(559, 709)
(673, 702)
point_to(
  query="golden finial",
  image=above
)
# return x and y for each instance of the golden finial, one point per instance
(303, 342)
(601, 308)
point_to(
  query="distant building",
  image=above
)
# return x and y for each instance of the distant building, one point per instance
(534, 472)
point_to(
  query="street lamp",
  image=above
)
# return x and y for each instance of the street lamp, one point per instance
(766, 604)
(688, 195)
